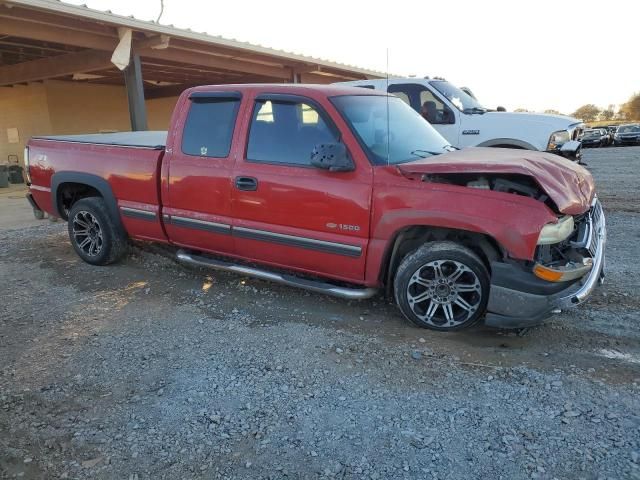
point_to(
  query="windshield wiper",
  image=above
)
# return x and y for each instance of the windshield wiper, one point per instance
(473, 110)
(421, 152)
(446, 148)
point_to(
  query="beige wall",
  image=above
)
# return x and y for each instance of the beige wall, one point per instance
(56, 108)
(159, 112)
(84, 108)
(24, 108)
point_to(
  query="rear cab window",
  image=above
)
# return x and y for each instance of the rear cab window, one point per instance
(210, 123)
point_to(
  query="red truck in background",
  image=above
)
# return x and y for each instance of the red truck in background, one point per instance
(339, 190)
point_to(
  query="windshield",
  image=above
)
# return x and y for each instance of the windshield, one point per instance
(629, 129)
(592, 133)
(462, 101)
(400, 137)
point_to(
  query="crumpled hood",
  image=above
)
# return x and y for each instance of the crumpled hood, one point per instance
(568, 184)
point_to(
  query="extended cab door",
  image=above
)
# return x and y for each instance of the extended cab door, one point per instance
(432, 107)
(288, 213)
(198, 170)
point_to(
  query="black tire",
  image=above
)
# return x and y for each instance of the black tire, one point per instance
(459, 302)
(93, 233)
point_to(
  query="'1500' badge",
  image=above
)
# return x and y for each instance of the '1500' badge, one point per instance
(344, 226)
(471, 132)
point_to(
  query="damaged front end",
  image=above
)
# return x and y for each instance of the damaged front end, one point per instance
(573, 256)
(562, 275)
(506, 183)
(566, 262)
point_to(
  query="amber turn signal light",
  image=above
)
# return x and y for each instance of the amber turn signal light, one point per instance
(547, 274)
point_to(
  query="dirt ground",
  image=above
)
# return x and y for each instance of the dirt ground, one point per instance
(148, 369)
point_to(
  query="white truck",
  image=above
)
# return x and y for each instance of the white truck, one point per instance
(464, 122)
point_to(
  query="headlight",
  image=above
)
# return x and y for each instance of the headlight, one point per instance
(556, 232)
(27, 174)
(557, 139)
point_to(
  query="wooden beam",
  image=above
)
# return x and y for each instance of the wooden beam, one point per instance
(179, 50)
(183, 56)
(47, 33)
(50, 33)
(8, 41)
(56, 66)
(175, 90)
(50, 16)
(164, 92)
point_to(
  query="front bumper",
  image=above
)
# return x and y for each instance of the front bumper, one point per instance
(524, 306)
(627, 141)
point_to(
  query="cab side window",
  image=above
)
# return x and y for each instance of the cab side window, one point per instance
(433, 110)
(286, 132)
(209, 127)
(423, 101)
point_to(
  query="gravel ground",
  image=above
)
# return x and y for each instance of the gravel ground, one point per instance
(149, 370)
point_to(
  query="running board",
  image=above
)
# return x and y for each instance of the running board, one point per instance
(284, 279)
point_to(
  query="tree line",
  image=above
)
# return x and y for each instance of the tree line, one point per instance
(628, 111)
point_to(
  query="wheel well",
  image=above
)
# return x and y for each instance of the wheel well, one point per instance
(410, 238)
(70, 192)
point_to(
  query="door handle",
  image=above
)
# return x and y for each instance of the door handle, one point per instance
(248, 184)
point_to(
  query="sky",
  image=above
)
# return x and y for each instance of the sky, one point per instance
(536, 55)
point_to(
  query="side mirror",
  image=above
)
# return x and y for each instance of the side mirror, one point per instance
(333, 157)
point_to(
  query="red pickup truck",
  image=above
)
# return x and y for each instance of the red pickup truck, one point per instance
(338, 190)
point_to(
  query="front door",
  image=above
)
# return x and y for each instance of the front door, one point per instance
(287, 212)
(197, 179)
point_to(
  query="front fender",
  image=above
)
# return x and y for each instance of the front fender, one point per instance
(513, 221)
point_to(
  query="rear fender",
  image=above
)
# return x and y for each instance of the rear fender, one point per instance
(94, 181)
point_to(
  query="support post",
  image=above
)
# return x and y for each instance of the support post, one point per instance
(135, 94)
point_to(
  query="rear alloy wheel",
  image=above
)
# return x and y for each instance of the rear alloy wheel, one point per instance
(442, 286)
(87, 233)
(94, 234)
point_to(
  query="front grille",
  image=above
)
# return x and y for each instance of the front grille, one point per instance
(596, 221)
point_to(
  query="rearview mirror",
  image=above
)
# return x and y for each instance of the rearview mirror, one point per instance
(332, 156)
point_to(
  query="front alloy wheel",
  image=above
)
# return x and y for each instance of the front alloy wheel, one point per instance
(444, 293)
(442, 286)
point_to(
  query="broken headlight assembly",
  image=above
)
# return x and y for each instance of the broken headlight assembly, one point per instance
(556, 232)
(562, 262)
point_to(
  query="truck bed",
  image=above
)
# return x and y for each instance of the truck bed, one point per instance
(123, 167)
(155, 140)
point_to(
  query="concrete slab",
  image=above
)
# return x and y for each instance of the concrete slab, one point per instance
(15, 211)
